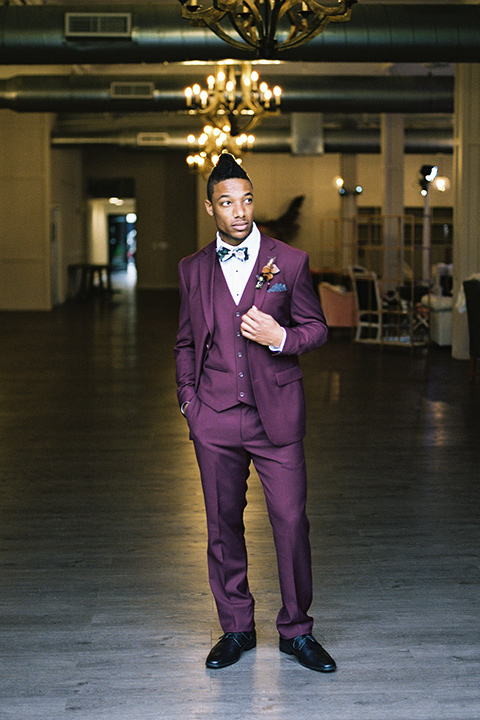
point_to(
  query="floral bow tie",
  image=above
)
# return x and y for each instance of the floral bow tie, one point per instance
(225, 253)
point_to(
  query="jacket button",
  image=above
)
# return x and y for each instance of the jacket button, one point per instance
(239, 354)
(241, 374)
(242, 394)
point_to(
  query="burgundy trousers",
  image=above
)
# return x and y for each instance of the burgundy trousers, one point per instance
(225, 444)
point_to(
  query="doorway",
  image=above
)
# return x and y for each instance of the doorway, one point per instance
(122, 240)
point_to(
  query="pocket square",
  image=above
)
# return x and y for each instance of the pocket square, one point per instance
(278, 287)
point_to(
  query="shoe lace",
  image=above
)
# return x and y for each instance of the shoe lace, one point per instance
(300, 641)
(234, 636)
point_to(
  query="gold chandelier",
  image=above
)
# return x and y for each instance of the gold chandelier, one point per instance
(266, 26)
(208, 146)
(230, 115)
(225, 108)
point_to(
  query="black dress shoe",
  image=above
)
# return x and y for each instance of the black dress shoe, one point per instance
(228, 649)
(309, 653)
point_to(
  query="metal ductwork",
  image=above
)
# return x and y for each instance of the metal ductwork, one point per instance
(335, 141)
(352, 94)
(154, 34)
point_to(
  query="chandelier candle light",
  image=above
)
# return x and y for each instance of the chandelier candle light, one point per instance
(206, 149)
(224, 107)
(231, 114)
(266, 26)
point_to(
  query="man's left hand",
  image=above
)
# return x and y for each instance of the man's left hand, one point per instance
(261, 328)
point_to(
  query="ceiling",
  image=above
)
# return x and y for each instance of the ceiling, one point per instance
(349, 95)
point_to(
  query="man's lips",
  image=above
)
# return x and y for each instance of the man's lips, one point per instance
(240, 225)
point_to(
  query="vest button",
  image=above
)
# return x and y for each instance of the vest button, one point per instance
(240, 374)
(242, 394)
(239, 355)
(237, 314)
(239, 334)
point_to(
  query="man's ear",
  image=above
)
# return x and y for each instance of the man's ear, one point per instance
(209, 207)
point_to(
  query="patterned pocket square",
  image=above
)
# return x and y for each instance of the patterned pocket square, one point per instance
(278, 287)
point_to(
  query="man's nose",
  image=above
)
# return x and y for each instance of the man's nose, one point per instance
(239, 210)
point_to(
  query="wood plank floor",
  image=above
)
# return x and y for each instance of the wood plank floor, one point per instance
(105, 606)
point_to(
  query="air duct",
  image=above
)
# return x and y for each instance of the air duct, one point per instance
(280, 141)
(301, 94)
(377, 32)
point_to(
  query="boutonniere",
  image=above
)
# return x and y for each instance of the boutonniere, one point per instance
(268, 271)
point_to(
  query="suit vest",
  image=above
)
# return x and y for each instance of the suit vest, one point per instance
(225, 380)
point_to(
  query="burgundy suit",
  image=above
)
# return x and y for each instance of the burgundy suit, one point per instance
(247, 403)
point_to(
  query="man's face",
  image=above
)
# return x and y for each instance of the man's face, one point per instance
(232, 208)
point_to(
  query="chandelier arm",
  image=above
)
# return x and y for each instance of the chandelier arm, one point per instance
(226, 37)
(249, 32)
(212, 16)
(226, 5)
(250, 124)
(200, 17)
(302, 32)
(343, 7)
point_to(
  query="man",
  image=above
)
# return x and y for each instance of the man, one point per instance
(248, 309)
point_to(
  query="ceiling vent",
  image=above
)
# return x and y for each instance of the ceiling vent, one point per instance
(132, 90)
(152, 138)
(98, 25)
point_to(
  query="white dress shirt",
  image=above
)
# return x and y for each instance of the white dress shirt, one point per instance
(237, 272)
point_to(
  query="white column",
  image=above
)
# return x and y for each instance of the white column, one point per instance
(348, 205)
(25, 211)
(392, 140)
(466, 249)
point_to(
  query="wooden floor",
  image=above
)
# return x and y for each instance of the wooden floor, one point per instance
(105, 605)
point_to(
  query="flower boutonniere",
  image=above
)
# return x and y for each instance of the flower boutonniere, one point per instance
(268, 271)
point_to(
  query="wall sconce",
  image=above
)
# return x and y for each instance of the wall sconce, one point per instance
(428, 173)
(342, 190)
(442, 184)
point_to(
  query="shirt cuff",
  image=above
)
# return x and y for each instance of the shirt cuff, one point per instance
(282, 344)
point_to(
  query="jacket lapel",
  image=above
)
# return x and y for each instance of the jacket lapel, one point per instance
(267, 251)
(206, 273)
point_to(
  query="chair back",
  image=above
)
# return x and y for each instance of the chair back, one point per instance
(366, 289)
(472, 296)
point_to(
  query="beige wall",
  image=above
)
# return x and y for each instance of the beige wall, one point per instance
(68, 206)
(25, 211)
(166, 210)
(278, 178)
(172, 222)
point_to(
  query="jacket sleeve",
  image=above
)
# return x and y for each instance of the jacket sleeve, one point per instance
(185, 346)
(308, 328)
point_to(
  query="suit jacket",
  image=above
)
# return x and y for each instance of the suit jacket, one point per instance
(276, 377)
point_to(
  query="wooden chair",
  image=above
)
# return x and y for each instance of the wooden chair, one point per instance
(472, 296)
